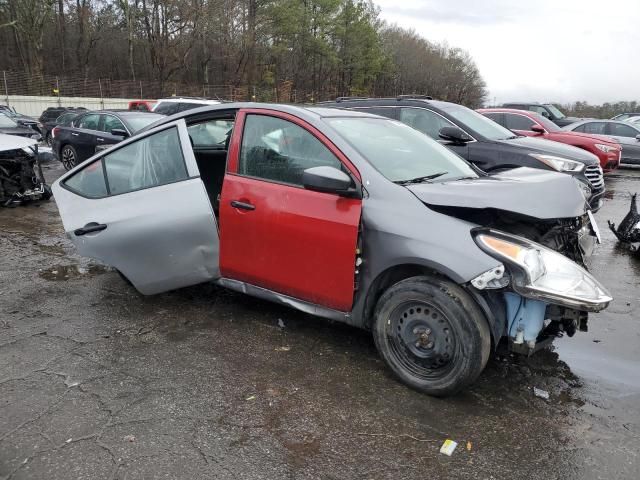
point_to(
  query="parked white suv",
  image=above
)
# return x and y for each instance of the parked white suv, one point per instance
(169, 106)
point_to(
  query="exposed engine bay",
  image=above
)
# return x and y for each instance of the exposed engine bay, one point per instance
(21, 178)
(573, 237)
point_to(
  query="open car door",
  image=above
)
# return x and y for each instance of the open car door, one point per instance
(142, 208)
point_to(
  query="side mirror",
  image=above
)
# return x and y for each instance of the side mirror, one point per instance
(328, 180)
(119, 132)
(638, 137)
(538, 129)
(454, 134)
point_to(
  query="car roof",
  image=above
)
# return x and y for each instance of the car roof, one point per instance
(303, 111)
(119, 112)
(204, 101)
(508, 110)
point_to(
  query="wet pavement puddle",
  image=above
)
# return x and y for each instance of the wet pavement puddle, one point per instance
(68, 272)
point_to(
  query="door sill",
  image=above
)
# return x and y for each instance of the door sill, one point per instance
(292, 302)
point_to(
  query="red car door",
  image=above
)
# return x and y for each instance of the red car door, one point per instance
(273, 232)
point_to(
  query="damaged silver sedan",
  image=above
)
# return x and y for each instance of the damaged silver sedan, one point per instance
(347, 216)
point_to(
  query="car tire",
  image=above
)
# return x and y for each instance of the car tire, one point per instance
(431, 334)
(48, 139)
(68, 157)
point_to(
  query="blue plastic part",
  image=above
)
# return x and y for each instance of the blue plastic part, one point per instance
(524, 314)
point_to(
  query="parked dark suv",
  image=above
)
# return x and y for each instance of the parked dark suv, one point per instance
(547, 110)
(482, 141)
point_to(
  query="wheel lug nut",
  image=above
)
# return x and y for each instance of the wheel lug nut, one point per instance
(417, 344)
(427, 331)
(415, 331)
(430, 345)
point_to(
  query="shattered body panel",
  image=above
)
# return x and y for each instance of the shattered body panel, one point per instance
(21, 178)
(628, 231)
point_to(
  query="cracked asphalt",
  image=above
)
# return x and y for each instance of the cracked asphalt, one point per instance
(100, 382)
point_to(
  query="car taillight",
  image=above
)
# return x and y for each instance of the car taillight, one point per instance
(54, 132)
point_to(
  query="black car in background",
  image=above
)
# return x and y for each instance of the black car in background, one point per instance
(547, 110)
(51, 113)
(23, 120)
(75, 143)
(64, 119)
(10, 127)
(482, 141)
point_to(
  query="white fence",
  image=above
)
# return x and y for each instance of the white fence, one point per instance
(34, 106)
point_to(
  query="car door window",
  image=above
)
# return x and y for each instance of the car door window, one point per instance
(541, 110)
(518, 122)
(594, 127)
(424, 120)
(89, 122)
(496, 117)
(112, 123)
(579, 128)
(89, 181)
(280, 151)
(620, 130)
(210, 134)
(149, 162)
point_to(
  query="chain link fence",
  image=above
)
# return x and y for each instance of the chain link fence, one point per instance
(14, 83)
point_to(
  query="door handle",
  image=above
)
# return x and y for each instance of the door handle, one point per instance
(75, 134)
(90, 228)
(242, 205)
(99, 139)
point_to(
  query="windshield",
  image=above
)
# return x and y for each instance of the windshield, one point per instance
(468, 119)
(557, 113)
(399, 152)
(6, 122)
(138, 122)
(548, 125)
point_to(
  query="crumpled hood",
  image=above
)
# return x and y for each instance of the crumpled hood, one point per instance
(540, 145)
(13, 142)
(527, 191)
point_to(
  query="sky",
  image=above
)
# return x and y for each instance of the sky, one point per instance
(537, 50)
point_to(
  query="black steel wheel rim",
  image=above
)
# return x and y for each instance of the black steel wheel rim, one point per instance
(422, 339)
(48, 140)
(68, 158)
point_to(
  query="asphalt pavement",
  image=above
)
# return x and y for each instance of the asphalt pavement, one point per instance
(98, 381)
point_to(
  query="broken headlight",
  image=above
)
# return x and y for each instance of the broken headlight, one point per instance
(544, 274)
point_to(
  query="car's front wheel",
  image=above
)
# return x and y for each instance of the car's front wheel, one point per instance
(68, 157)
(431, 334)
(48, 139)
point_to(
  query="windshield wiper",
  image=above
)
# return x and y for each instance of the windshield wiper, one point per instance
(425, 178)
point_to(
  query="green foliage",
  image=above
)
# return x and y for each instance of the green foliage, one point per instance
(606, 110)
(311, 49)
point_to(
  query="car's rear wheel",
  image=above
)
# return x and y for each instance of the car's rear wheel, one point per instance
(68, 157)
(431, 334)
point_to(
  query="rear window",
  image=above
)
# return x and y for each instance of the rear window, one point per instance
(166, 108)
(138, 122)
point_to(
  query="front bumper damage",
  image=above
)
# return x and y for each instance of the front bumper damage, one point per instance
(543, 294)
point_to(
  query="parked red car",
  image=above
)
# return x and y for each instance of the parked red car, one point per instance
(142, 105)
(532, 124)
